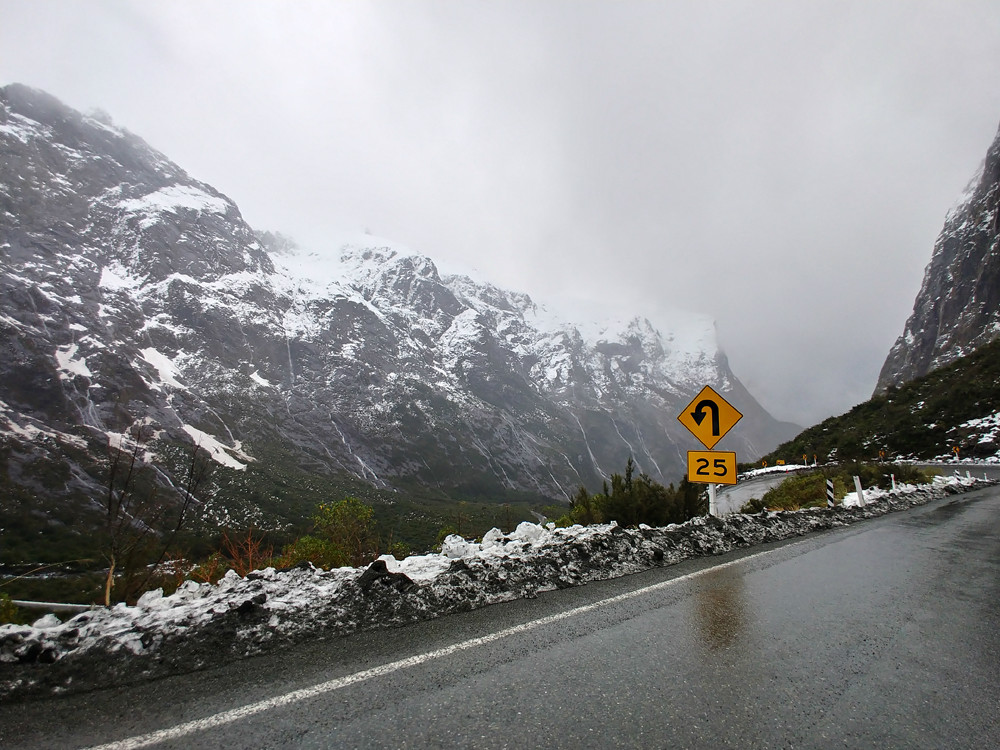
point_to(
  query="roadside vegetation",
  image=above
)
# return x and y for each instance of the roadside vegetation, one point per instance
(53, 531)
(145, 545)
(631, 500)
(9, 612)
(809, 490)
(62, 552)
(342, 533)
(140, 525)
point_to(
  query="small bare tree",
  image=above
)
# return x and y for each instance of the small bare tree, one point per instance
(140, 524)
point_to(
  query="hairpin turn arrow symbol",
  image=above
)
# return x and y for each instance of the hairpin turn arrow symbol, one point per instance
(698, 415)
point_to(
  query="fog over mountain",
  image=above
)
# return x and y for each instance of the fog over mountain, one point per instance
(780, 167)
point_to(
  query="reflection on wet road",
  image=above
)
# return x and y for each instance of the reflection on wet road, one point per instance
(721, 610)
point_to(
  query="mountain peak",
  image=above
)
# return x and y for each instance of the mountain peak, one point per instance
(132, 294)
(958, 306)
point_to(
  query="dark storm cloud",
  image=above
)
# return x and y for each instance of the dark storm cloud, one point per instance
(781, 166)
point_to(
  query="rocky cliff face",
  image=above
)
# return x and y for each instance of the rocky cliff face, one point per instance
(131, 293)
(958, 307)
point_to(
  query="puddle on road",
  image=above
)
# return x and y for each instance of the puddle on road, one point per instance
(721, 610)
(938, 515)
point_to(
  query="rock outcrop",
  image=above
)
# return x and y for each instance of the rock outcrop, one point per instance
(958, 307)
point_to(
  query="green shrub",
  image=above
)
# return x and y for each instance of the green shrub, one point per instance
(753, 505)
(399, 550)
(9, 613)
(632, 500)
(797, 492)
(349, 527)
(443, 533)
(323, 553)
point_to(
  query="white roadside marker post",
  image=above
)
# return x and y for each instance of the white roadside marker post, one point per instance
(861, 494)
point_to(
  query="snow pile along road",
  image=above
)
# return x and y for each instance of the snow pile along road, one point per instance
(205, 624)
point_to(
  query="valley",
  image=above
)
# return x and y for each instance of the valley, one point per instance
(136, 299)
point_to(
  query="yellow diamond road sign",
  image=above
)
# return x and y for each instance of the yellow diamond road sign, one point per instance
(709, 416)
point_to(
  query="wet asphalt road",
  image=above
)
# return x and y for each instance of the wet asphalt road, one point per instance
(729, 499)
(884, 634)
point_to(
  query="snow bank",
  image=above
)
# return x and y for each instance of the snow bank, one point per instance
(872, 494)
(779, 469)
(205, 624)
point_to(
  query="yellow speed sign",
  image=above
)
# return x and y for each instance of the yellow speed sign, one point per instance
(712, 467)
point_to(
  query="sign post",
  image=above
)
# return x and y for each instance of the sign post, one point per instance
(709, 417)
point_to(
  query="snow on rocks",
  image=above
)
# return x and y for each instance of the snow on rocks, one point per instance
(871, 494)
(203, 624)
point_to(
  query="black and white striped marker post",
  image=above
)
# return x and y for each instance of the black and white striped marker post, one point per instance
(829, 493)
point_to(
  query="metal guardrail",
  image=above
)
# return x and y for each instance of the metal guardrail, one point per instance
(53, 606)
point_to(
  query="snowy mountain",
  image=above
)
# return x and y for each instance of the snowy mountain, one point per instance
(134, 294)
(958, 306)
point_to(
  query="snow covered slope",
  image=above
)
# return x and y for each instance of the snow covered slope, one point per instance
(132, 293)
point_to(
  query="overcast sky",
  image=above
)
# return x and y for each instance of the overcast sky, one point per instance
(783, 167)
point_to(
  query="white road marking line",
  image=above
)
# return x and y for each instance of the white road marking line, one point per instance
(252, 709)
